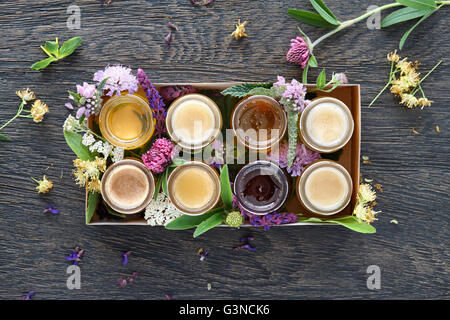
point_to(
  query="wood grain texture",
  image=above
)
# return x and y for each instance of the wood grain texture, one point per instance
(289, 263)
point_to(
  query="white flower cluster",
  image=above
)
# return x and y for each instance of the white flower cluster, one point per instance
(72, 124)
(161, 211)
(103, 147)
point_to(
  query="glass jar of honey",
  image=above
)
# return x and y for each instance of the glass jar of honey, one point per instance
(259, 122)
(126, 121)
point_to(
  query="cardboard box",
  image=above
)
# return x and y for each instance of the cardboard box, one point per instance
(349, 157)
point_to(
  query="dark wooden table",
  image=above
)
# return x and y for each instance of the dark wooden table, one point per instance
(289, 263)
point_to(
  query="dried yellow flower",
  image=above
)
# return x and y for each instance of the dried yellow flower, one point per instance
(364, 213)
(424, 102)
(88, 173)
(240, 30)
(415, 131)
(38, 110)
(365, 193)
(393, 56)
(406, 66)
(394, 221)
(26, 95)
(437, 129)
(44, 185)
(408, 100)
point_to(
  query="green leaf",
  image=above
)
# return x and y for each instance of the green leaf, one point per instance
(418, 4)
(74, 141)
(164, 182)
(209, 223)
(102, 84)
(403, 14)
(309, 18)
(114, 213)
(325, 13)
(4, 138)
(350, 222)
(177, 162)
(42, 64)
(242, 90)
(186, 222)
(51, 47)
(92, 205)
(69, 47)
(407, 33)
(158, 186)
(262, 92)
(312, 62)
(225, 188)
(321, 79)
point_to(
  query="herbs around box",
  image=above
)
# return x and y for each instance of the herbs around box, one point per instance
(217, 162)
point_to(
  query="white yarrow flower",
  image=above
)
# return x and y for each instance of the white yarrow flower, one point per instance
(161, 211)
(88, 139)
(97, 146)
(117, 154)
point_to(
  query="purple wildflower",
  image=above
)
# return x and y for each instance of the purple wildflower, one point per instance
(75, 256)
(272, 219)
(299, 52)
(87, 90)
(51, 209)
(156, 103)
(296, 92)
(216, 159)
(171, 93)
(340, 77)
(28, 296)
(281, 82)
(125, 256)
(303, 157)
(119, 79)
(160, 155)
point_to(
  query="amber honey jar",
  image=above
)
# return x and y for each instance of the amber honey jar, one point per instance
(259, 122)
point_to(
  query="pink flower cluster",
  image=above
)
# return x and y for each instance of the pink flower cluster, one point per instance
(119, 79)
(173, 92)
(303, 157)
(160, 155)
(295, 91)
(299, 52)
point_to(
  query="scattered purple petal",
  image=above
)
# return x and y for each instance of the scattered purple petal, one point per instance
(75, 256)
(203, 254)
(245, 244)
(122, 282)
(51, 210)
(201, 2)
(124, 256)
(28, 296)
(169, 297)
(172, 26)
(68, 105)
(168, 39)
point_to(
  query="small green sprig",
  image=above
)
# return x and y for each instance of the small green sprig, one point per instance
(55, 53)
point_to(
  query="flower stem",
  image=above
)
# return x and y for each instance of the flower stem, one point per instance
(305, 75)
(19, 111)
(385, 87)
(424, 77)
(349, 23)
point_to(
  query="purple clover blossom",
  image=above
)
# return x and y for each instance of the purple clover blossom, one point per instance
(160, 155)
(87, 90)
(303, 157)
(299, 52)
(28, 296)
(119, 79)
(125, 256)
(340, 77)
(281, 82)
(51, 209)
(75, 256)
